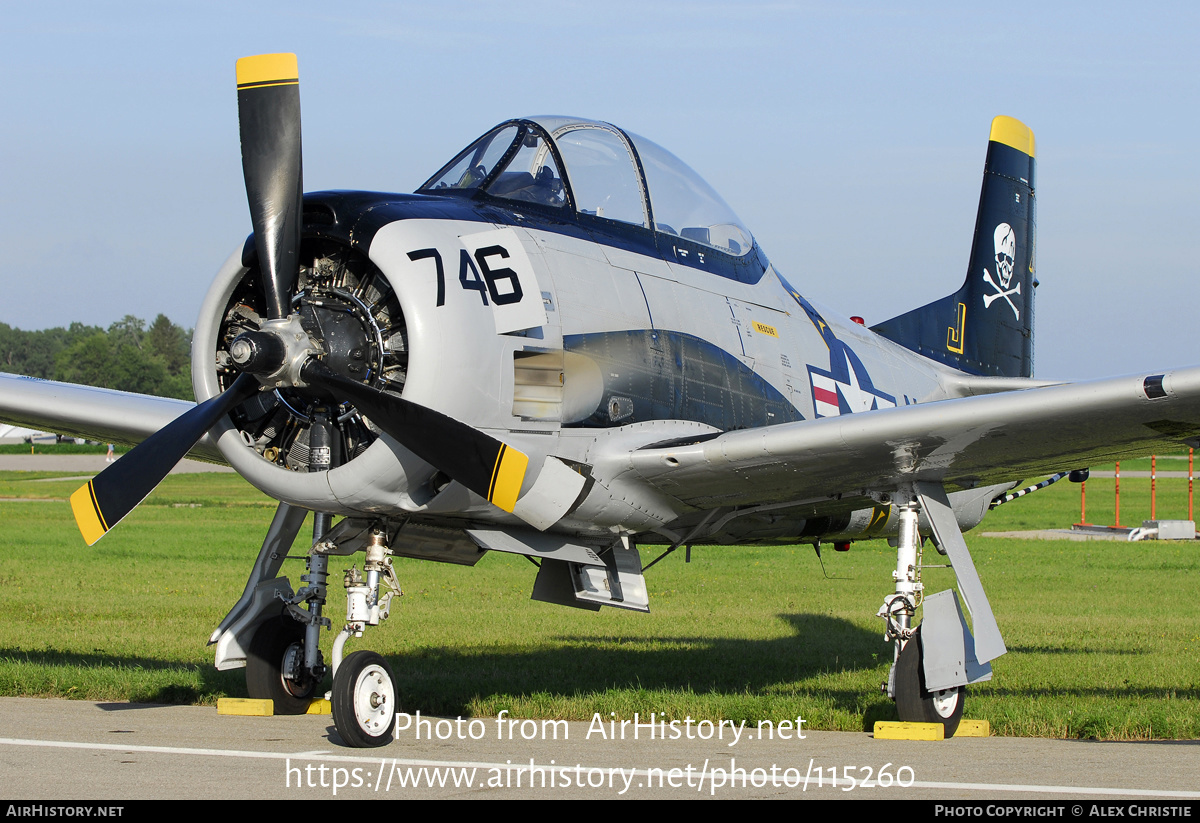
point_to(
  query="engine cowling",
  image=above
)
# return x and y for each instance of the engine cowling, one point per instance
(350, 310)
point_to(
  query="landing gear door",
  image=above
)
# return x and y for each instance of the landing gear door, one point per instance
(949, 649)
(618, 583)
(936, 506)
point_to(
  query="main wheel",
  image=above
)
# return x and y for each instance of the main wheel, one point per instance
(278, 647)
(914, 702)
(364, 700)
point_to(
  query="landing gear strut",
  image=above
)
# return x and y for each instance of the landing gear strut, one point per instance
(914, 703)
(364, 695)
(934, 664)
(284, 661)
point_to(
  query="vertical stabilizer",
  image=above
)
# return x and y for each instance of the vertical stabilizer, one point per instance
(986, 327)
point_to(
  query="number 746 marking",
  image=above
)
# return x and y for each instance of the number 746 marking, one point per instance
(469, 275)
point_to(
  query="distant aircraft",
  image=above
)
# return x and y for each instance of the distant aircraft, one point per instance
(566, 345)
(21, 434)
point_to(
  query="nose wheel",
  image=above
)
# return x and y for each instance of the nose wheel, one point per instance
(364, 700)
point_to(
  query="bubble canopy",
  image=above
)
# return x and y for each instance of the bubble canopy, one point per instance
(596, 170)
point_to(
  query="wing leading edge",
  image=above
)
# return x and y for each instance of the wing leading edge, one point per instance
(962, 442)
(104, 415)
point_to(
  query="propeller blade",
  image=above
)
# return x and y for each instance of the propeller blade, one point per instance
(485, 465)
(269, 116)
(112, 494)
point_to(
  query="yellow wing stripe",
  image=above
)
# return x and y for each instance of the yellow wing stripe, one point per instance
(87, 514)
(267, 70)
(507, 476)
(1012, 132)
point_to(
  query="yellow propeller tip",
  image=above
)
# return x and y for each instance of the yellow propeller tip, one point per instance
(267, 70)
(87, 514)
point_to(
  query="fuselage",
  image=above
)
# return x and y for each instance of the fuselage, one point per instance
(568, 332)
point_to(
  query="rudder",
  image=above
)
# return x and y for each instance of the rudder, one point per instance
(986, 327)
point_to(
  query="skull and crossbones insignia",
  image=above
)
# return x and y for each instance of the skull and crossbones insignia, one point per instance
(1006, 254)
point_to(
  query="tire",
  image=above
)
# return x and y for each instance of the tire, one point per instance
(916, 704)
(364, 700)
(274, 640)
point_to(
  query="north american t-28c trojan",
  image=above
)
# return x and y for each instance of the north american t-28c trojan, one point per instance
(566, 345)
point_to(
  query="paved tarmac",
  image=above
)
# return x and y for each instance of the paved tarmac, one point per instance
(75, 750)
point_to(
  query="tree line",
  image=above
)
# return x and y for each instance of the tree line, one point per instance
(126, 356)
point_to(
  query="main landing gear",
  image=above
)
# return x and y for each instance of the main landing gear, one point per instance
(906, 685)
(933, 663)
(275, 666)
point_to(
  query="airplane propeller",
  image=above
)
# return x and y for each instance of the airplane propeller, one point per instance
(104, 500)
(269, 117)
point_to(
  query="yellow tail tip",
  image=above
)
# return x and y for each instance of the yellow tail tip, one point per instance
(1014, 133)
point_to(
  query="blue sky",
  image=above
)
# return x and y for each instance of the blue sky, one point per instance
(849, 137)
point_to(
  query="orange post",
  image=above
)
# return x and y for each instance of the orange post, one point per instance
(1083, 504)
(1117, 475)
(1152, 492)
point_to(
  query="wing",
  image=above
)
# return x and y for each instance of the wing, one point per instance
(963, 442)
(104, 415)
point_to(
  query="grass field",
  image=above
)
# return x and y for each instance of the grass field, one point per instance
(1103, 637)
(59, 448)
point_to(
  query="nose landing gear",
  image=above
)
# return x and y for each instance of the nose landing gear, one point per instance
(283, 659)
(364, 695)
